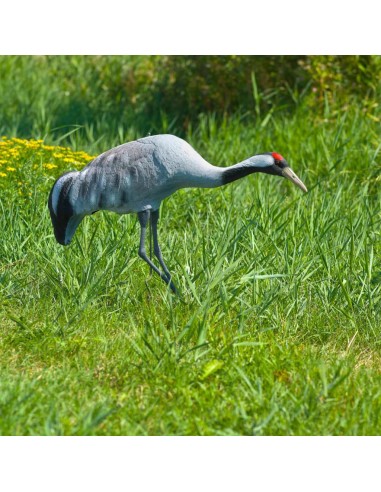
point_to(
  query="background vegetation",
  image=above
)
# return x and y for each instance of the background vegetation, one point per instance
(277, 328)
(44, 95)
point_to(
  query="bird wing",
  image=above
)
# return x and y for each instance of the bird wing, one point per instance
(124, 156)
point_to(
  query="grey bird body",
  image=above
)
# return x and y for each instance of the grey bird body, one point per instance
(137, 176)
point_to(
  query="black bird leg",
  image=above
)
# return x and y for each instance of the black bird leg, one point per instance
(143, 220)
(157, 250)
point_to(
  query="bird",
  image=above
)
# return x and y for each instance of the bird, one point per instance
(137, 176)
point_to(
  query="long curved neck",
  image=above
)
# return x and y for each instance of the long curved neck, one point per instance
(207, 175)
(257, 163)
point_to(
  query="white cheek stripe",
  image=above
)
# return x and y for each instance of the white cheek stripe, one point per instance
(263, 160)
(262, 164)
(260, 160)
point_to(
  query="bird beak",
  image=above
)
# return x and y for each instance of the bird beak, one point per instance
(289, 174)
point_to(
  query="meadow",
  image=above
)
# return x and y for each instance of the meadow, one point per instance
(276, 329)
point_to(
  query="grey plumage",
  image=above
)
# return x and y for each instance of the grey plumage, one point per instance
(136, 177)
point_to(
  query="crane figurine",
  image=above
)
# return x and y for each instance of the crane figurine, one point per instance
(135, 177)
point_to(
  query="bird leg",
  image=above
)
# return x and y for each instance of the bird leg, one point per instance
(157, 250)
(143, 220)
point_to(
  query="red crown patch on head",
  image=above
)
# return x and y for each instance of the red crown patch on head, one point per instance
(277, 157)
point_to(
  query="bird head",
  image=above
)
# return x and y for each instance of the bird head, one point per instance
(280, 167)
(62, 212)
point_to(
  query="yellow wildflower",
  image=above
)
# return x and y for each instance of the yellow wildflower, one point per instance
(2, 175)
(12, 169)
(50, 166)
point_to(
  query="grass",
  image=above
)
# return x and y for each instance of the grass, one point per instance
(276, 330)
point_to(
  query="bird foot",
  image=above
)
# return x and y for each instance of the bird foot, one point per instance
(173, 287)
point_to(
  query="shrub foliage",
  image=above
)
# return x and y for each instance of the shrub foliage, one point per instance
(156, 93)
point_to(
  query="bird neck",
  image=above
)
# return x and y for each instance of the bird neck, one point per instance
(255, 164)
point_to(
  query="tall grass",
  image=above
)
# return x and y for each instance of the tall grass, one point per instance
(276, 329)
(122, 96)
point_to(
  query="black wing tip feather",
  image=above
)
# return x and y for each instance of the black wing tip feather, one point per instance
(64, 210)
